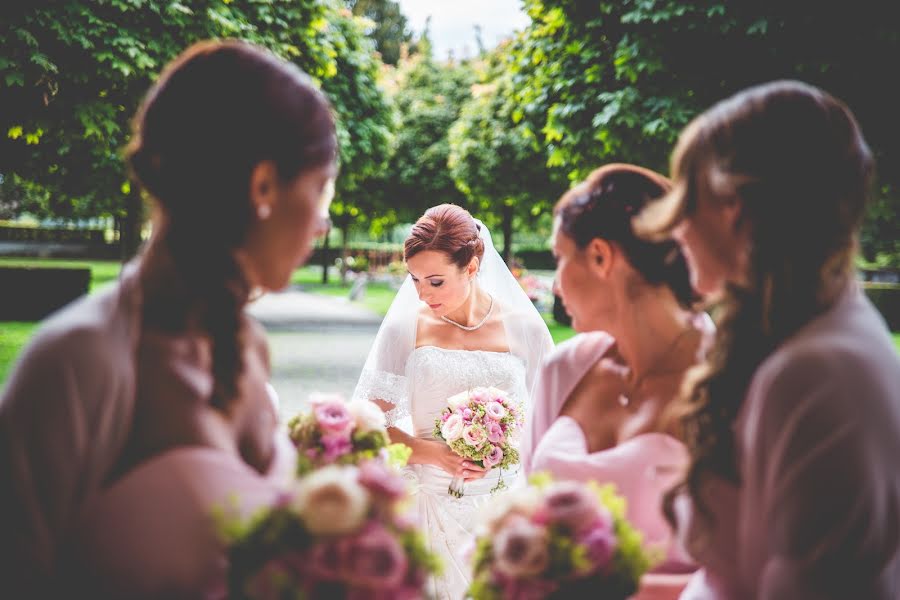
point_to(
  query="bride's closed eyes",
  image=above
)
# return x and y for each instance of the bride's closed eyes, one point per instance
(432, 282)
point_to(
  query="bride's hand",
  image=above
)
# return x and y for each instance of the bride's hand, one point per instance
(439, 454)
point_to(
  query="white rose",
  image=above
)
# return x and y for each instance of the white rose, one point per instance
(368, 416)
(458, 401)
(331, 501)
(523, 502)
(452, 428)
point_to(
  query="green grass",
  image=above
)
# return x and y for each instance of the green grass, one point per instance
(560, 333)
(378, 296)
(897, 341)
(13, 336)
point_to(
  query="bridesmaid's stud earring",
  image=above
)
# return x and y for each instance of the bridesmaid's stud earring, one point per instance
(264, 211)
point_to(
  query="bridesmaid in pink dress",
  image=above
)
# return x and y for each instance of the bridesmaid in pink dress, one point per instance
(599, 412)
(136, 412)
(793, 491)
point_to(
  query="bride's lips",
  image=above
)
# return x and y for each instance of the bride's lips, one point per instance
(434, 306)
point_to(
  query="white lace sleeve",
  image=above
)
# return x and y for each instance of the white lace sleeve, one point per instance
(383, 376)
(389, 387)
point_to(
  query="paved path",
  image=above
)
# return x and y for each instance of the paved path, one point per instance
(318, 343)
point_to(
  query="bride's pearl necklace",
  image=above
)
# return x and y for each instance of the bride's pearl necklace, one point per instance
(477, 325)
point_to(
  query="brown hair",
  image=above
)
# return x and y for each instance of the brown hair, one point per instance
(604, 206)
(786, 151)
(216, 112)
(449, 229)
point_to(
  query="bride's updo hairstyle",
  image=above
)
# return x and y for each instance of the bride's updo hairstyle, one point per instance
(449, 229)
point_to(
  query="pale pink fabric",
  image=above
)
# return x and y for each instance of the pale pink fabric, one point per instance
(65, 416)
(153, 533)
(560, 373)
(817, 513)
(642, 468)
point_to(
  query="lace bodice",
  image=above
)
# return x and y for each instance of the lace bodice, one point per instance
(434, 374)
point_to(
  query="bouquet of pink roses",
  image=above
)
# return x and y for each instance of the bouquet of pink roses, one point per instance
(482, 425)
(558, 540)
(335, 431)
(341, 533)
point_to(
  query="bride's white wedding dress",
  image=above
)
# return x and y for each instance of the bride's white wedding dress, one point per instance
(433, 375)
(417, 381)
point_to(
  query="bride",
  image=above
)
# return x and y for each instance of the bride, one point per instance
(459, 321)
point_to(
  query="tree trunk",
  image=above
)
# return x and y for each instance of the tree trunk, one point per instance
(345, 230)
(507, 232)
(325, 253)
(130, 226)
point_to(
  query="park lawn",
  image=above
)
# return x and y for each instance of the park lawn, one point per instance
(13, 336)
(559, 333)
(377, 298)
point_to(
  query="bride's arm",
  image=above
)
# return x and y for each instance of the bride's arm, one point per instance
(432, 452)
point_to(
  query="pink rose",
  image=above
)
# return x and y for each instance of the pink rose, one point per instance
(381, 480)
(375, 559)
(495, 410)
(333, 417)
(571, 505)
(335, 446)
(601, 546)
(494, 457)
(445, 416)
(467, 414)
(325, 560)
(480, 396)
(520, 548)
(474, 435)
(495, 432)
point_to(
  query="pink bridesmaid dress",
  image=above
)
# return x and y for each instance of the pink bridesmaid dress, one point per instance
(817, 513)
(152, 533)
(642, 468)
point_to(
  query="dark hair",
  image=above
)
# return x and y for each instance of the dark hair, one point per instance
(795, 158)
(605, 205)
(216, 112)
(449, 229)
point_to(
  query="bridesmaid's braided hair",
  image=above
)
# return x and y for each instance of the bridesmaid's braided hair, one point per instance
(216, 112)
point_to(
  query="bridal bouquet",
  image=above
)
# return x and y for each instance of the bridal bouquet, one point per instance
(480, 425)
(341, 533)
(335, 431)
(558, 540)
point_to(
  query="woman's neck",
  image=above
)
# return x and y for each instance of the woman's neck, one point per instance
(656, 337)
(474, 309)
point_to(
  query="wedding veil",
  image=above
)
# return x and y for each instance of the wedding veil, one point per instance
(384, 374)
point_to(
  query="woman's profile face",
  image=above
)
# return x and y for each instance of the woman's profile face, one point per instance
(574, 282)
(282, 240)
(715, 248)
(440, 284)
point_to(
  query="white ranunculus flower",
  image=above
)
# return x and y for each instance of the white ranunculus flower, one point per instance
(368, 416)
(523, 502)
(331, 501)
(452, 428)
(458, 401)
